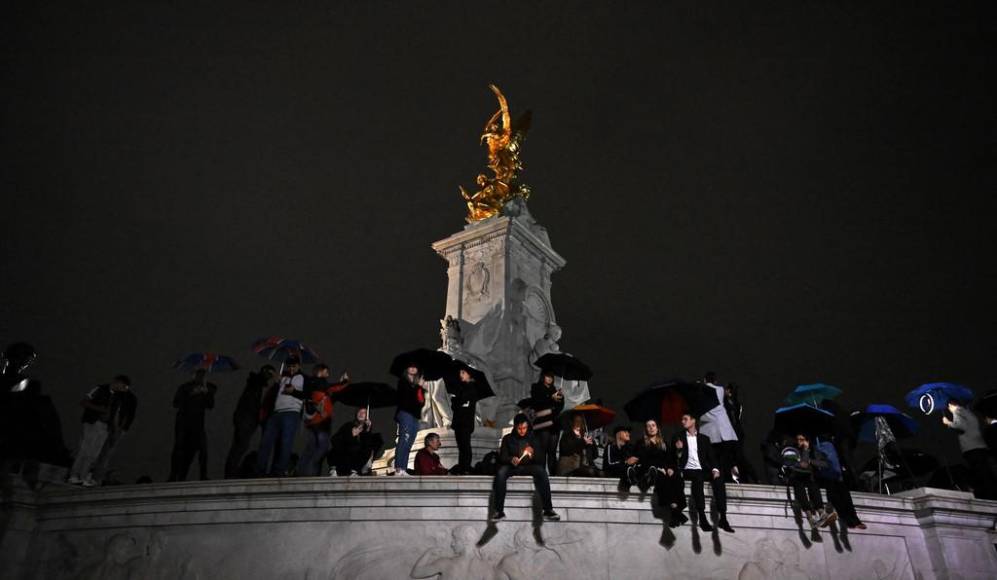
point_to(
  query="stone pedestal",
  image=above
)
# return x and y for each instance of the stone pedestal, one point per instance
(499, 291)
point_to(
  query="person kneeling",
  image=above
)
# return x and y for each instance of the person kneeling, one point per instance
(517, 454)
(427, 460)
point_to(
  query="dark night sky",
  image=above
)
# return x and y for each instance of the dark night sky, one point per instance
(784, 195)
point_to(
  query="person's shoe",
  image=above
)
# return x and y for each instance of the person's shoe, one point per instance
(551, 516)
(353, 473)
(402, 473)
(678, 518)
(858, 526)
(497, 516)
(74, 480)
(90, 482)
(724, 525)
(332, 472)
(632, 477)
(828, 519)
(704, 523)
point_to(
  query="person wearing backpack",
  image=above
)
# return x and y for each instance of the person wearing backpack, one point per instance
(839, 498)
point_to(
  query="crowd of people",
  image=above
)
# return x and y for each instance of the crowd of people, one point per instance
(544, 440)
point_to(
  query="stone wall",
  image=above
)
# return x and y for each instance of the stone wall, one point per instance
(379, 527)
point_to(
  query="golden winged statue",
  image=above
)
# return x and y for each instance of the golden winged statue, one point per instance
(504, 140)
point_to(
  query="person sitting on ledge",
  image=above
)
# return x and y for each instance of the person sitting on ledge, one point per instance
(354, 446)
(427, 460)
(577, 451)
(517, 456)
(695, 461)
(619, 457)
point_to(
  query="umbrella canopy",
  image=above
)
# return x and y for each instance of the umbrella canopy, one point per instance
(565, 366)
(929, 396)
(374, 395)
(433, 364)
(481, 388)
(280, 349)
(864, 422)
(596, 416)
(812, 394)
(803, 418)
(667, 401)
(208, 361)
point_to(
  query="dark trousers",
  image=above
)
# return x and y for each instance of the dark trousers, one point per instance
(189, 440)
(548, 440)
(462, 433)
(807, 493)
(840, 498)
(540, 482)
(726, 454)
(981, 467)
(243, 434)
(668, 490)
(697, 477)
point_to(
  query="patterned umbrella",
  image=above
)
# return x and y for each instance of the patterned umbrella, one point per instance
(280, 349)
(208, 361)
(929, 396)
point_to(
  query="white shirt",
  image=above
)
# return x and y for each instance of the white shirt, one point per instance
(693, 444)
(715, 424)
(286, 403)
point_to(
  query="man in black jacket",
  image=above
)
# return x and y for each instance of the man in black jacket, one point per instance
(694, 459)
(517, 456)
(247, 417)
(191, 401)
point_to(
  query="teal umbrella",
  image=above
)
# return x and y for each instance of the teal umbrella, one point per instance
(812, 394)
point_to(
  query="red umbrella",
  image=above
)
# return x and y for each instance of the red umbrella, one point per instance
(595, 416)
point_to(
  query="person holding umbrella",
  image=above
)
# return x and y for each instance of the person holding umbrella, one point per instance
(548, 402)
(411, 398)
(973, 447)
(354, 446)
(283, 423)
(192, 400)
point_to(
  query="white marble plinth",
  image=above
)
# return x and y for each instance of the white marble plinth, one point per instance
(417, 527)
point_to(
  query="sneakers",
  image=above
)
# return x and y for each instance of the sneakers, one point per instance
(401, 473)
(497, 516)
(827, 519)
(551, 516)
(90, 482)
(74, 480)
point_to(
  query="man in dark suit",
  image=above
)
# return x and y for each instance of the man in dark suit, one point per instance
(694, 459)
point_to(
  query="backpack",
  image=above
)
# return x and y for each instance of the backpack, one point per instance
(488, 464)
(831, 469)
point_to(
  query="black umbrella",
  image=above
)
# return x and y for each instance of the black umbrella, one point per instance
(667, 401)
(370, 395)
(433, 364)
(565, 366)
(803, 418)
(482, 389)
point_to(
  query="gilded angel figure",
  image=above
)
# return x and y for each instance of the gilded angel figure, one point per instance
(504, 140)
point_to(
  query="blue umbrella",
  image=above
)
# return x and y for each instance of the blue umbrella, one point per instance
(864, 422)
(931, 395)
(813, 394)
(208, 361)
(803, 418)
